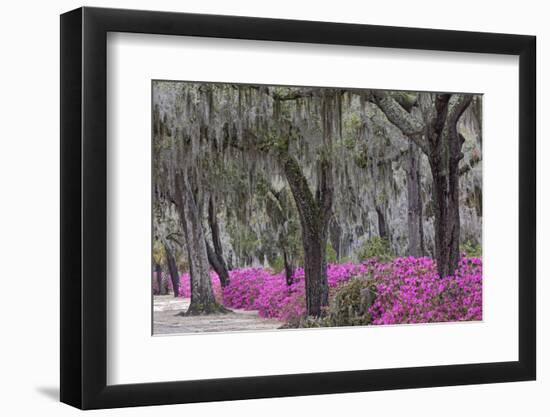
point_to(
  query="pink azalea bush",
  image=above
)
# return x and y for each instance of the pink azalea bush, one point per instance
(408, 290)
(185, 286)
(258, 289)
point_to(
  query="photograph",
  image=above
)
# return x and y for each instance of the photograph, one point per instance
(265, 209)
(292, 207)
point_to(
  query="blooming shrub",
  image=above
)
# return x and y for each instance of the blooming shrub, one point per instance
(407, 290)
(185, 286)
(258, 289)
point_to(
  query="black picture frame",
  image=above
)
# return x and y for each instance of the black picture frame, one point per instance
(84, 207)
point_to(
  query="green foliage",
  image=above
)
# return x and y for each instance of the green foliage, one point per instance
(277, 265)
(332, 257)
(350, 304)
(471, 249)
(306, 323)
(377, 248)
(159, 254)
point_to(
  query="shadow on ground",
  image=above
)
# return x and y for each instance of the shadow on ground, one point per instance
(50, 392)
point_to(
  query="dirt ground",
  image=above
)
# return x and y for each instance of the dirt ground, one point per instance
(167, 321)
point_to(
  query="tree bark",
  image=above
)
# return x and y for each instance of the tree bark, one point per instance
(447, 234)
(414, 214)
(455, 141)
(446, 144)
(161, 289)
(335, 238)
(382, 227)
(314, 214)
(217, 265)
(289, 269)
(172, 269)
(215, 253)
(202, 295)
(315, 270)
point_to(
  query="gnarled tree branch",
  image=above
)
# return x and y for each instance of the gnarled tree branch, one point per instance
(401, 118)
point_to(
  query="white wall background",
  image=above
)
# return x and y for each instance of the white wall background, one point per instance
(29, 225)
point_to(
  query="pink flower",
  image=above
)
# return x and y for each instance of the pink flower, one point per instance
(408, 290)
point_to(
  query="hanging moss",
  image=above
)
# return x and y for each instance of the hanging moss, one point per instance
(235, 134)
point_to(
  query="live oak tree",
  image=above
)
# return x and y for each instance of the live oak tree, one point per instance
(214, 145)
(187, 200)
(314, 206)
(435, 133)
(265, 127)
(178, 180)
(314, 212)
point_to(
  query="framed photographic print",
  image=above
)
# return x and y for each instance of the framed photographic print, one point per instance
(255, 208)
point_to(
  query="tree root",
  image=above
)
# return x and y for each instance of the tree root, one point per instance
(198, 309)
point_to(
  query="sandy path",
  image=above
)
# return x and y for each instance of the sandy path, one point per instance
(166, 320)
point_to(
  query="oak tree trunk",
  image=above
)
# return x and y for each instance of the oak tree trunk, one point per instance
(315, 268)
(172, 269)
(289, 269)
(314, 214)
(445, 155)
(217, 264)
(215, 252)
(202, 295)
(335, 238)
(447, 220)
(161, 289)
(414, 200)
